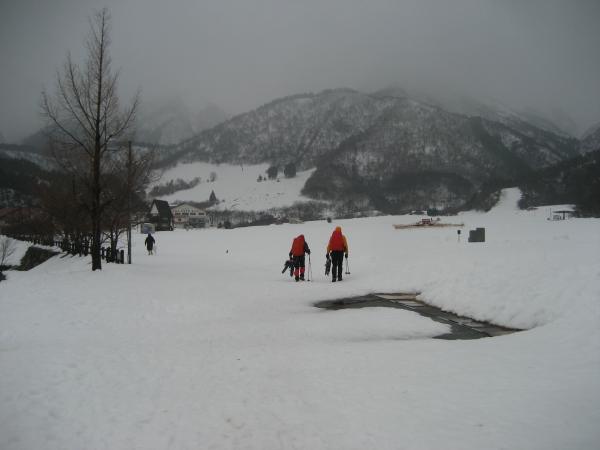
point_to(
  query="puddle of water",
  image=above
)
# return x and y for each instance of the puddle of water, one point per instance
(461, 327)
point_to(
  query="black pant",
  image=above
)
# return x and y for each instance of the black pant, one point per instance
(298, 261)
(299, 267)
(337, 261)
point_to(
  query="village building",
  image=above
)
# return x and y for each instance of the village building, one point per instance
(187, 215)
(562, 214)
(160, 216)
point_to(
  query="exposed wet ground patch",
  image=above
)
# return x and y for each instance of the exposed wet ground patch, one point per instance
(461, 327)
(34, 256)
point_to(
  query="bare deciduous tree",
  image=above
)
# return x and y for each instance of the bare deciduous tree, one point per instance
(86, 124)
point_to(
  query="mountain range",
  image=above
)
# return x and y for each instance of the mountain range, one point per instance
(384, 151)
(387, 151)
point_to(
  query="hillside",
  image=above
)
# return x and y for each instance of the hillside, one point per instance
(19, 179)
(35, 155)
(236, 187)
(576, 181)
(299, 129)
(384, 151)
(170, 121)
(591, 140)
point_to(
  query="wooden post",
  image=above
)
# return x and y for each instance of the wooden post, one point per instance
(129, 157)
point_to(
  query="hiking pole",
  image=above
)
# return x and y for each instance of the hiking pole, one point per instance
(347, 267)
(309, 274)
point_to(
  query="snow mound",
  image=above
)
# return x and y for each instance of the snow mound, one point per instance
(19, 249)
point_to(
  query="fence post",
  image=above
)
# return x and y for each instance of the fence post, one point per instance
(122, 256)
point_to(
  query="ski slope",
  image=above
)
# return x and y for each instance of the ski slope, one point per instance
(207, 345)
(236, 187)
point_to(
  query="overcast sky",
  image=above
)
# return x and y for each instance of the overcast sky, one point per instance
(239, 54)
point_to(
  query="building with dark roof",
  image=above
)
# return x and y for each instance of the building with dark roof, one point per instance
(160, 216)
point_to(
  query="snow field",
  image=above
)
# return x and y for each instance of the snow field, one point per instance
(208, 345)
(236, 186)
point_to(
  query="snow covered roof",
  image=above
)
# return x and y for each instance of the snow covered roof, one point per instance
(187, 206)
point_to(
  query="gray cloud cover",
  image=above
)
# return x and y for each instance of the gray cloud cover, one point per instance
(239, 54)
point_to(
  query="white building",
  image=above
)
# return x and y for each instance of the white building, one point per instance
(188, 216)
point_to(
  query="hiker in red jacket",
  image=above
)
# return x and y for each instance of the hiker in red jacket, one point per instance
(337, 248)
(299, 248)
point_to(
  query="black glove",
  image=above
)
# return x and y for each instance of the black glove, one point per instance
(327, 255)
(290, 254)
(308, 252)
(346, 255)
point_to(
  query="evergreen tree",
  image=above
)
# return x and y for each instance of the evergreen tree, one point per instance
(272, 172)
(289, 170)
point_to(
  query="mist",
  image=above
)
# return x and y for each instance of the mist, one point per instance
(539, 55)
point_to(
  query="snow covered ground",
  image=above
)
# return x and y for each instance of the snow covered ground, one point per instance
(208, 345)
(236, 186)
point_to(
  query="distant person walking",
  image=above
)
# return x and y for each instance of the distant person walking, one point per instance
(149, 243)
(337, 249)
(299, 249)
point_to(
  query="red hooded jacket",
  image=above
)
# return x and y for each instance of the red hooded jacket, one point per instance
(299, 246)
(337, 242)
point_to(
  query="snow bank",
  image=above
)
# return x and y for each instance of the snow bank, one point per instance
(208, 345)
(19, 249)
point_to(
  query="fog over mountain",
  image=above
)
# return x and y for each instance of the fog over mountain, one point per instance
(531, 55)
(170, 121)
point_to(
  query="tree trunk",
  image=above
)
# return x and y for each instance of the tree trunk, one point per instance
(96, 213)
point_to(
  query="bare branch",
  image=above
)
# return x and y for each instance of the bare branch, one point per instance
(86, 119)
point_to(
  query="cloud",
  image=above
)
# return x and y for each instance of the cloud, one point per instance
(242, 53)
